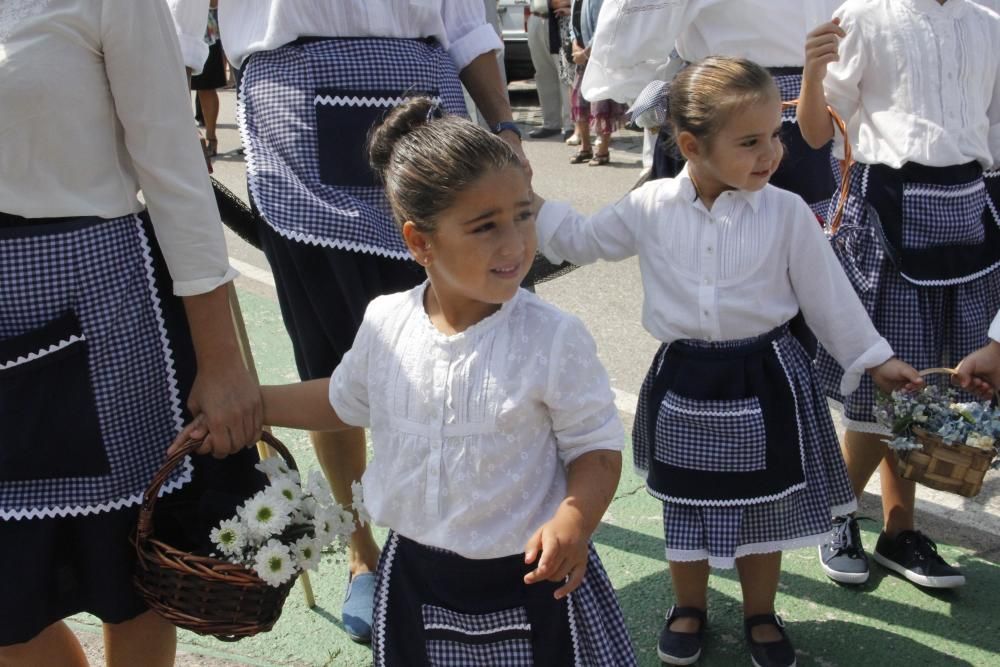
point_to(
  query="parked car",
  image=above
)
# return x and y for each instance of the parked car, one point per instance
(514, 26)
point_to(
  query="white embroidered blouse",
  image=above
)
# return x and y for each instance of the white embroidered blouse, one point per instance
(918, 81)
(94, 104)
(472, 433)
(737, 271)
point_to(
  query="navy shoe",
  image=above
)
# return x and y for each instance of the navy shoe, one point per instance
(914, 556)
(359, 605)
(769, 654)
(841, 556)
(681, 648)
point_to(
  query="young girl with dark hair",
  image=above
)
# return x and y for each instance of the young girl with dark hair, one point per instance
(732, 428)
(497, 444)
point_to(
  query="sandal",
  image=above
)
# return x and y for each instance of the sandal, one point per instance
(598, 160)
(211, 147)
(581, 156)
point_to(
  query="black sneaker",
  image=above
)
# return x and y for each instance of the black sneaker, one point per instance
(769, 654)
(914, 556)
(681, 648)
(842, 557)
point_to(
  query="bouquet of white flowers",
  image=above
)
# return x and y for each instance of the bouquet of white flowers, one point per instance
(282, 530)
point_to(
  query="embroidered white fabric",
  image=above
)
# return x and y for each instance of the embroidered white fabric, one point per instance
(12, 12)
(737, 271)
(472, 433)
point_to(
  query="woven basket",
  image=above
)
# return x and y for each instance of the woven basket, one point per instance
(206, 595)
(956, 468)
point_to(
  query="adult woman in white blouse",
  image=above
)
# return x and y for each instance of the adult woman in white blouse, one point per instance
(316, 76)
(96, 354)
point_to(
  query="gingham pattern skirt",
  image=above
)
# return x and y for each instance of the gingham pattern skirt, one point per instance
(927, 326)
(433, 607)
(304, 114)
(798, 519)
(83, 299)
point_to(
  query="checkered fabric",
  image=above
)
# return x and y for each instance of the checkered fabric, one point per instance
(504, 653)
(278, 122)
(960, 207)
(103, 271)
(600, 637)
(802, 518)
(927, 326)
(719, 436)
(789, 87)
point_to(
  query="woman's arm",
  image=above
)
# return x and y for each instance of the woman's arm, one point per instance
(481, 78)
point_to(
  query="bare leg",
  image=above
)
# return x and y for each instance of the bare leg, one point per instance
(759, 576)
(690, 583)
(603, 145)
(209, 100)
(342, 456)
(55, 645)
(146, 640)
(583, 131)
(898, 498)
(863, 452)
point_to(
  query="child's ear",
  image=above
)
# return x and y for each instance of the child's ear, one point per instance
(418, 242)
(688, 145)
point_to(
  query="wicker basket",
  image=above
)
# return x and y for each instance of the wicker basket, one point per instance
(206, 595)
(956, 468)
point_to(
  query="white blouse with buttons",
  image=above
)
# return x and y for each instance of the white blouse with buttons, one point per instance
(472, 433)
(736, 271)
(918, 81)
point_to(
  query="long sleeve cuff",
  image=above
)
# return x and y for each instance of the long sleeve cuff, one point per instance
(877, 354)
(203, 285)
(549, 218)
(474, 44)
(194, 51)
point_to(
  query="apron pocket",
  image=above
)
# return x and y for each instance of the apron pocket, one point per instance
(343, 120)
(943, 215)
(496, 638)
(47, 406)
(713, 436)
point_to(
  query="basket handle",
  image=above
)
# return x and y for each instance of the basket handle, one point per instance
(145, 527)
(845, 181)
(953, 371)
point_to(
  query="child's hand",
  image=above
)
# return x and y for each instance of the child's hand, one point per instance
(895, 374)
(564, 547)
(979, 370)
(822, 49)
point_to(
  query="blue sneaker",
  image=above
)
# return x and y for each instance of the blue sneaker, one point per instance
(841, 556)
(359, 604)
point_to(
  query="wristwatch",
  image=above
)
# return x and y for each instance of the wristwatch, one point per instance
(507, 125)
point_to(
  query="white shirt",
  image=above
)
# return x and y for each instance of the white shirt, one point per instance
(93, 105)
(459, 26)
(190, 19)
(472, 433)
(995, 328)
(918, 82)
(634, 37)
(737, 271)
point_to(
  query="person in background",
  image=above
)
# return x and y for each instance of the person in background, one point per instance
(114, 323)
(316, 76)
(543, 44)
(206, 84)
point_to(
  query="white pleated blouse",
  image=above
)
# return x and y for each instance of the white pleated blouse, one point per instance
(472, 433)
(919, 82)
(737, 271)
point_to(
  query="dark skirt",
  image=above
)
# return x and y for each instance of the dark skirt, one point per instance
(213, 74)
(89, 328)
(928, 325)
(434, 607)
(737, 441)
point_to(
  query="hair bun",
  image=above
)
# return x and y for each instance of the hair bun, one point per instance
(404, 119)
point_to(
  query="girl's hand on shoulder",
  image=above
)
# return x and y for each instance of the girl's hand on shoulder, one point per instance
(822, 46)
(979, 373)
(895, 374)
(564, 547)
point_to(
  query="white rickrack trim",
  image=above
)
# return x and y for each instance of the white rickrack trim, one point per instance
(355, 101)
(952, 281)
(574, 633)
(712, 413)
(757, 548)
(476, 633)
(725, 503)
(970, 188)
(55, 347)
(84, 510)
(382, 600)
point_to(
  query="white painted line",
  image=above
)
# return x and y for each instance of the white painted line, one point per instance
(252, 272)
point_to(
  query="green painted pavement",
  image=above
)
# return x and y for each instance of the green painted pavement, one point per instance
(885, 622)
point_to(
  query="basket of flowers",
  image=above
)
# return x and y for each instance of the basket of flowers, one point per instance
(238, 589)
(939, 441)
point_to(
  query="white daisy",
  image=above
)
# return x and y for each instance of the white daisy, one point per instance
(275, 467)
(274, 563)
(267, 514)
(332, 523)
(307, 553)
(287, 489)
(318, 487)
(230, 536)
(358, 503)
